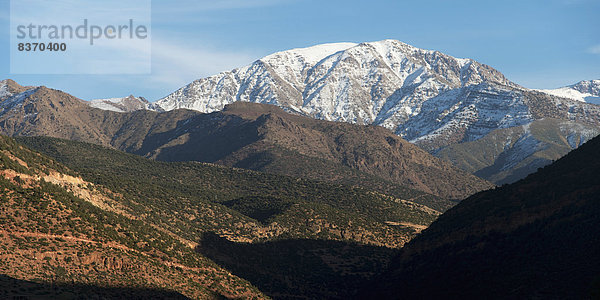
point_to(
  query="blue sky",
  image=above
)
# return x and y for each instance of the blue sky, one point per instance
(538, 44)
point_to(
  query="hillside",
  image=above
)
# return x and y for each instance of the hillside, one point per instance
(584, 91)
(11, 288)
(507, 155)
(59, 231)
(192, 201)
(427, 97)
(253, 136)
(536, 238)
(265, 138)
(42, 111)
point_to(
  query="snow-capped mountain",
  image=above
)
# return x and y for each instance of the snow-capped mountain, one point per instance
(429, 98)
(9, 88)
(125, 104)
(4, 91)
(584, 91)
(423, 95)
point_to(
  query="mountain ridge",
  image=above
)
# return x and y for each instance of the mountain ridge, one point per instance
(182, 135)
(427, 97)
(125, 104)
(536, 238)
(433, 100)
(584, 91)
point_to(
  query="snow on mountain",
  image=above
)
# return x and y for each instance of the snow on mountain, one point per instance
(256, 81)
(467, 114)
(425, 96)
(4, 92)
(591, 87)
(584, 91)
(14, 101)
(12, 95)
(9, 88)
(387, 83)
(125, 104)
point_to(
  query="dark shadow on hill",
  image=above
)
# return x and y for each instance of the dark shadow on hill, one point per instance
(514, 175)
(206, 138)
(12, 288)
(260, 208)
(538, 238)
(294, 268)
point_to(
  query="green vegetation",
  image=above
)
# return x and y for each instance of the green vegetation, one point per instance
(191, 198)
(50, 235)
(337, 233)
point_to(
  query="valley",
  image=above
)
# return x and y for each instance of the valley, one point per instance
(337, 171)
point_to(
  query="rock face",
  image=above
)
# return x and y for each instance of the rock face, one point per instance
(429, 98)
(584, 91)
(126, 104)
(247, 135)
(405, 89)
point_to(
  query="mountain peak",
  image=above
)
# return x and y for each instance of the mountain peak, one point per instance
(380, 83)
(312, 54)
(9, 87)
(125, 104)
(583, 91)
(591, 87)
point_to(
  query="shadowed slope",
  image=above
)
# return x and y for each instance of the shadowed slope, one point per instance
(538, 237)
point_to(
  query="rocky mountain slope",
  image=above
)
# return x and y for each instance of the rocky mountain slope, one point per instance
(507, 155)
(264, 137)
(584, 91)
(252, 136)
(126, 104)
(536, 238)
(318, 229)
(419, 94)
(382, 83)
(9, 87)
(427, 97)
(70, 236)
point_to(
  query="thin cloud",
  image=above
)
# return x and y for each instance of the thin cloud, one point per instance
(176, 64)
(594, 49)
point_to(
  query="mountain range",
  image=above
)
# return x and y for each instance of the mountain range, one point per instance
(89, 220)
(339, 171)
(253, 136)
(584, 91)
(427, 97)
(126, 104)
(83, 217)
(457, 109)
(536, 238)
